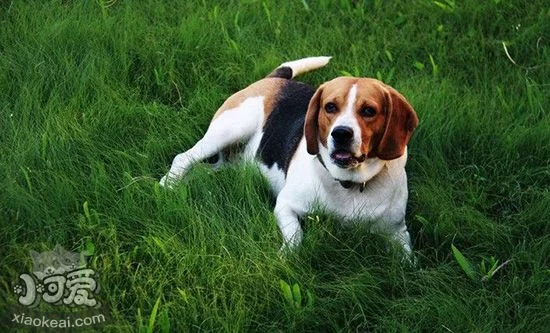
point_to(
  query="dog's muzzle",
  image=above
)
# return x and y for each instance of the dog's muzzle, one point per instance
(345, 159)
(342, 155)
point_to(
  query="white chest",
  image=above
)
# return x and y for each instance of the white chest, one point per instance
(379, 201)
(308, 184)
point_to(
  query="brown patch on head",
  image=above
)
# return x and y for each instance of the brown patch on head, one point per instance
(268, 88)
(385, 118)
(370, 112)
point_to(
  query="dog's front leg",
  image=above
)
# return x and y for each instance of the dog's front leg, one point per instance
(289, 224)
(402, 237)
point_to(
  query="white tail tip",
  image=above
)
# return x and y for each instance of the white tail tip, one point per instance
(306, 64)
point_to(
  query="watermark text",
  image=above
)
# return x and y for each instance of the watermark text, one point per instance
(46, 322)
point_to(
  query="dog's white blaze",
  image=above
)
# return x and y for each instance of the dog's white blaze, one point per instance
(352, 96)
(348, 119)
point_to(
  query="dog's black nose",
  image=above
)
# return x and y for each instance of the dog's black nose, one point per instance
(342, 134)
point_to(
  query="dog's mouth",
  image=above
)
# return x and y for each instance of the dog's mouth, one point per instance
(345, 159)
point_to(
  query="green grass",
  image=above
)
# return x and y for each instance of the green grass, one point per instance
(96, 100)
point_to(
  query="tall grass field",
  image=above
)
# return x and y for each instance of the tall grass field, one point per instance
(98, 96)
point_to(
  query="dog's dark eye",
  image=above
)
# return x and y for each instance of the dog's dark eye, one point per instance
(368, 112)
(330, 107)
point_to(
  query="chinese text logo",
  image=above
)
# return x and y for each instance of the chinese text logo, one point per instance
(59, 277)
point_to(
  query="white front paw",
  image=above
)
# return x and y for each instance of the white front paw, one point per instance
(292, 244)
(286, 249)
(167, 181)
(162, 181)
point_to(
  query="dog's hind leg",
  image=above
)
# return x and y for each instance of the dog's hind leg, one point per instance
(227, 128)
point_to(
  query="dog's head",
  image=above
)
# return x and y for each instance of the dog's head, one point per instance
(353, 120)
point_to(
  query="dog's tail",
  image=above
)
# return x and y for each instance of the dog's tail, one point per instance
(291, 69)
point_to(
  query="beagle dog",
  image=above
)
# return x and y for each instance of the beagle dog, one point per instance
(343, 146)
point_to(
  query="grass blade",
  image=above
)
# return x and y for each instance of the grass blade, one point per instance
(464, 263)
(297, 296)
(153, 316)
(287, 293)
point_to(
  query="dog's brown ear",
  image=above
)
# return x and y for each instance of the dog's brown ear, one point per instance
(401, 120)
(311, 125)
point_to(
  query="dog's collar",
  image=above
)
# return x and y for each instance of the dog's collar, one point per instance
(344, 183)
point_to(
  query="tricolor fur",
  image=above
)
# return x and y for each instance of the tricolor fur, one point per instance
(342, 145)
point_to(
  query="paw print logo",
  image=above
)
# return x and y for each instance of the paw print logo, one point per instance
(18, 289)
(40, 288)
